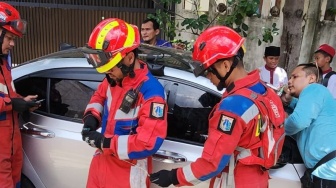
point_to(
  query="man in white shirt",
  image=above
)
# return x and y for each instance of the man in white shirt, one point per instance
(271, 73)
(323, 57)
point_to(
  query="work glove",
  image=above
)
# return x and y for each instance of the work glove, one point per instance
(90, 122)
(20, 105)
(93, 138)
(164, 178)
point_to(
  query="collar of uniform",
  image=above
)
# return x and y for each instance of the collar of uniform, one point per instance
(327, 71)
(140, 75)
(252, 78)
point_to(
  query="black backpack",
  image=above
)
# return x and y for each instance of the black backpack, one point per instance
(326, 78)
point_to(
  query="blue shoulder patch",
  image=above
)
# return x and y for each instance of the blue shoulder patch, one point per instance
(152, 88)
(238, 104)
(258, 88)
(235, 104)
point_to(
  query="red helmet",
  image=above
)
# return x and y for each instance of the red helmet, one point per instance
(11, 21)
(109, 42)
(215, 43)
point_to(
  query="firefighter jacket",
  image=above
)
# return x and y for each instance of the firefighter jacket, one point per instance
(135, 135)
(10, 138)
(232, 123)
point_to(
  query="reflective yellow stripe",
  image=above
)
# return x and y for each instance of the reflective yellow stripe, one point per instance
(130, 36)
(102, 34)
(258, 126)
(113, 62)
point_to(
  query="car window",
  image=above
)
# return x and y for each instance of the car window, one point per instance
(69, 97)
(33, 86)
(188, 111)
(66, 97)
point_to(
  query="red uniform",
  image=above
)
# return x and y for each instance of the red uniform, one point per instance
(136, 135)
(10, 137)
(232, 124)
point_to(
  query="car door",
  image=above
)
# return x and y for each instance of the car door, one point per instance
(289, 168)
(52, 143)
(189, 105)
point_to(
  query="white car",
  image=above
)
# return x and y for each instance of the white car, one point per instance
(55, 155)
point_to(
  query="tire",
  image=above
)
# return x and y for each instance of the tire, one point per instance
(25, 182)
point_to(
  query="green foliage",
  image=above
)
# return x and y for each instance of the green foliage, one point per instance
(167, 24)
(268, 33)
(240, 9)
(196, 24)
(166, 19)
(234, 17)
(331, 10)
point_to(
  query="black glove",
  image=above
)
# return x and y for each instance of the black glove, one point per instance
(164, 178)
(93, 138)
(90, 122)
(20, 105)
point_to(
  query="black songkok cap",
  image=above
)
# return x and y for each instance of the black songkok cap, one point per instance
(272, 51)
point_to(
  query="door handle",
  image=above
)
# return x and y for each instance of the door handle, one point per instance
(169, 157)
(36, 132)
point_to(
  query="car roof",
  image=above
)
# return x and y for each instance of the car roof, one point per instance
(174, 62)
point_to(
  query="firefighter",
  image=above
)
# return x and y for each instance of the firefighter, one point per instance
(11, 27)
(136, 122)
(232, 123)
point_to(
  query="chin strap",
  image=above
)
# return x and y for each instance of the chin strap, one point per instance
(128, 70)
(221, 84)
(2, 36)
(125, 70)
(110, 81)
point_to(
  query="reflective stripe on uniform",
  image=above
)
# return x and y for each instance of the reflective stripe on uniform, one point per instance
(189, 175)
(138, 174)
(132, 114)
(109, 98)
(122, 149)
(3, 88)
(250, 113)
(95, 106)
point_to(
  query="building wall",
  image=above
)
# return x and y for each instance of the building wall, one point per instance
(51, 24)
(325, 31)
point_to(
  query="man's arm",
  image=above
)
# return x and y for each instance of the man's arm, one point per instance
(306, 110)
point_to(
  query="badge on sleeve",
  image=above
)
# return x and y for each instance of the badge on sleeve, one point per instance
(226, 124)
(157, 110)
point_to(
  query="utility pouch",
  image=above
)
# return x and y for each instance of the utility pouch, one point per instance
(306, 180)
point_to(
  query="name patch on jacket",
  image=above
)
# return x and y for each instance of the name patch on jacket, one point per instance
(157, 110)
(226, 124)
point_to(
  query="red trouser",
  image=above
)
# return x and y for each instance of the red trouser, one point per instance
(107, 171)
(246, 176)
(10, 155)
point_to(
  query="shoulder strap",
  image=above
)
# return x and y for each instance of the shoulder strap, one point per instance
(325, 159)
(326, 78)
(268, 104)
